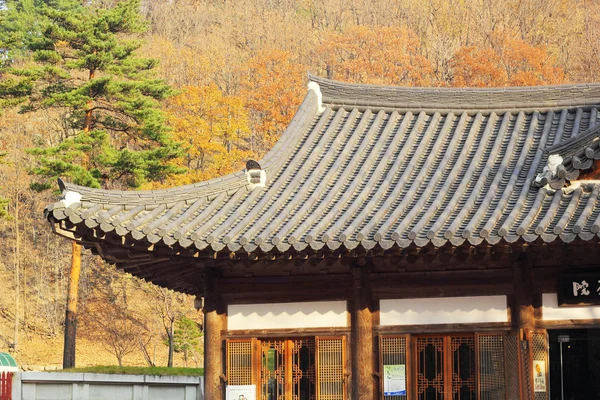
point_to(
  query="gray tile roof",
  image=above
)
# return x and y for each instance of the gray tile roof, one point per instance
(382, 166)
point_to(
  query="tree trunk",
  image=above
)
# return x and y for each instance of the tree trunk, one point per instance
(17, 262)
(73, 290)
(71, 314)
(171, 333)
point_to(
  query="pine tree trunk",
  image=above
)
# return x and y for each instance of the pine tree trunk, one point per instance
(71, 314)
(17, 260)
(73, 290)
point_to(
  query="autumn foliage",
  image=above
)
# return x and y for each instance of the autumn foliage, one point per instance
(512, 63)
(215, 129)
(382, 55)
(272, 85)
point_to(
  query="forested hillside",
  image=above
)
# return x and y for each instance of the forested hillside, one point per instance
(229, 78)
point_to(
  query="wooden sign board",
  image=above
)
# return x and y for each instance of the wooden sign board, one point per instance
(581, 288)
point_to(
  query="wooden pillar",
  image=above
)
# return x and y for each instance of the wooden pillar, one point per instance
(362, 336)
(524, 315)
(215, 321)
(524, 324)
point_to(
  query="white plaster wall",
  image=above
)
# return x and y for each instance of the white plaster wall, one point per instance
(552, 312)
(444, 310)
(322, 314)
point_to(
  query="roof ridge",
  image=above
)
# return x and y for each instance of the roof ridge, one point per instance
(527, 98)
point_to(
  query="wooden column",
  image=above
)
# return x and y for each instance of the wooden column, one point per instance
(523, 315)
(362, 335)
(523, 323)
(215, 321)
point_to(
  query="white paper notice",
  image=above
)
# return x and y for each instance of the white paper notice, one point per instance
(240, 392)
(394, 380)
(539, 376)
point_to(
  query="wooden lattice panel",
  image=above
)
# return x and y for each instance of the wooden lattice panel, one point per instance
(330, 368)
(511, 358)
(539, 352)
(303, 369)
(239, 362)
(393, 352)
(526, 359)
(492, 384)
(273, 369)
(430, 368)
(464, 374)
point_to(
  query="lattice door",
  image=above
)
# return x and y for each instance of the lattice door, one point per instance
(240, 365)
(464, 376)
(445, 367)
(393, 350)
(331, 361)
(492, 359)
(303, 373)
(273, 369)
(539, 354)
(288, 369)
(430, 367)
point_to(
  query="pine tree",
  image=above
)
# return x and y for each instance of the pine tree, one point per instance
(82, 64)
(80, 60)
(186, 337)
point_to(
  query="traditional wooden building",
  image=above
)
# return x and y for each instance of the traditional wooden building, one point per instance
(396, 243)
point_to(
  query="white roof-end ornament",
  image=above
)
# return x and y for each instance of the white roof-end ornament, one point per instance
(314, 86)
(68, 197)
(551, 170)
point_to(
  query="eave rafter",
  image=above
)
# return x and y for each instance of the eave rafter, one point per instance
(182, 269)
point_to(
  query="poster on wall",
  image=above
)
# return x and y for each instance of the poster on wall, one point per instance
(539, 376)
(394, 380)
(240, 392)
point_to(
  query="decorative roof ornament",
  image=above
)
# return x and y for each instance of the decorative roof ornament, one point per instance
(67, 196)
(314, 86)
(554, 168)
(255, 174)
